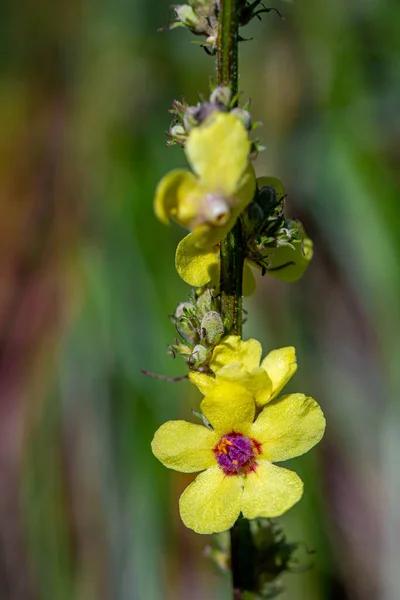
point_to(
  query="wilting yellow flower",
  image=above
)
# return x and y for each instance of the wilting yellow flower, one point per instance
(198, 266)
(236, 456)
(209, 200)
(237, 362)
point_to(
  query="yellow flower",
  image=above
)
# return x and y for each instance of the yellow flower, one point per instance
(198, 265)
(209, 200)
(237, 362)
(236, 456)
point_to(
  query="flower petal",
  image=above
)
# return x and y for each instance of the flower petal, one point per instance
(233, 349)
(170, 192)
(244, 194)
(288, 427)
(256, 381)
(270, 491)
(211, 503)
(280, 365)
(197, 267)
(229, 407)
(205, 383)
(184, 446)
(218, 151)
(209, 231)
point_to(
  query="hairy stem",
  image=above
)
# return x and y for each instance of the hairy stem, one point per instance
(232, 256)
(231, 274)
(227, 50)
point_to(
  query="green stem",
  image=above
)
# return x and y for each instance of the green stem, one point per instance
(227, 50)
(231, 279)
(231, 273)
(232, 255)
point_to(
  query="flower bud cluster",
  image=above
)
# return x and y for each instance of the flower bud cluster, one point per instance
(199, 328)
(201, 18)
(187, 117)
(266, 226)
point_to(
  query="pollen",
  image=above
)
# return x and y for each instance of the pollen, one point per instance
(222, 446)
(236, 453)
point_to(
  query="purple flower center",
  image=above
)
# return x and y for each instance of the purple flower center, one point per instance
(236, 453)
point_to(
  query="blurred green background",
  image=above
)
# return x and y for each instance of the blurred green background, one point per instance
(88, 280)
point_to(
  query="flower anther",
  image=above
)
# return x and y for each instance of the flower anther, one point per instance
(237, 453)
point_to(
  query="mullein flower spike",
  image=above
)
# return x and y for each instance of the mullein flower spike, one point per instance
(250, 430)
(246, 425)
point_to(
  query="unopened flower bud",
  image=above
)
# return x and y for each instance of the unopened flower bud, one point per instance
(182, 308)
(255, 212)
(190, 117)
(206, 7)
(243, 115)
(199, 354)
(221, 95)
(180, 350)
(212, 328)
(267, 199)
(204, 303)
(186, 331)
(189, 17)
(205, 109)
(177, 131)
(253, 218)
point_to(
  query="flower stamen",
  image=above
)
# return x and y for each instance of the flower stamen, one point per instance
(236, 453)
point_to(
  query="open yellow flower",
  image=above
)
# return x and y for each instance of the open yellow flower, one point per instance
(236, 456)
(209, 200)
(197, 265)
(237, 362)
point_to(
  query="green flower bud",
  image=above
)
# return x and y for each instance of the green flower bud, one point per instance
(221, 95)
(182, 308)
(183, 327)
(206, 7)
(212, 328)
(268, 199)
(204, 303)
(191, 19)
(180, 350)
(253, 216)
(244, 116)
(177, 131)
(199, 354)
(190, 117)
(255, 212)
